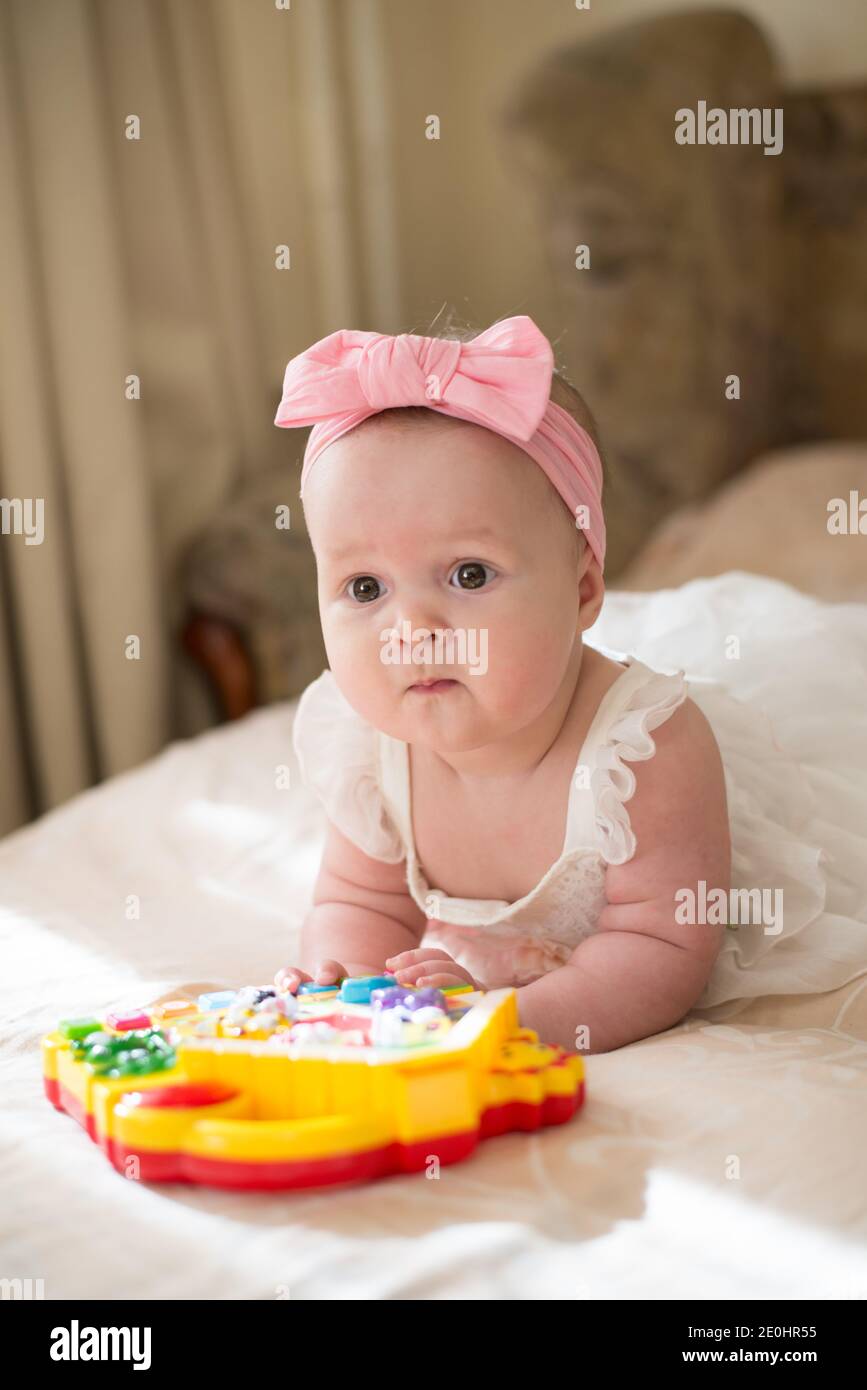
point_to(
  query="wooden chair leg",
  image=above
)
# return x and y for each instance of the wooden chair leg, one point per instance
(220, 651)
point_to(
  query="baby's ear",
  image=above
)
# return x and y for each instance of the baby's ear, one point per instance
(591, 589)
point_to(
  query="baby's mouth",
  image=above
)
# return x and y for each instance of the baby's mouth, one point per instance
(433, 686)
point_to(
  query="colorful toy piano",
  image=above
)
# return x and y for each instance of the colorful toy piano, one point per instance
(259, 1089)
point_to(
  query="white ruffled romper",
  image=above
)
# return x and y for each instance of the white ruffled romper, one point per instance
(781, 833)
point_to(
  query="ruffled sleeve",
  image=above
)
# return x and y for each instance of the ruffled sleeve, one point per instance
(337, 755)
(627, 739)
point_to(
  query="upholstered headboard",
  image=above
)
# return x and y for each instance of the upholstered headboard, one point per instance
(706, 261)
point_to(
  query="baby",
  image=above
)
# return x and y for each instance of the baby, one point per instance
(507, 805)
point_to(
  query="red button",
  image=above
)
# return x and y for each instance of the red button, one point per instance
(124, 1023)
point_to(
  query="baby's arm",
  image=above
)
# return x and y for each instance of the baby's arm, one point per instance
(362, 911)
(642, 971)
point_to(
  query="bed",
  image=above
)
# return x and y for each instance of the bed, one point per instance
(721, 1159)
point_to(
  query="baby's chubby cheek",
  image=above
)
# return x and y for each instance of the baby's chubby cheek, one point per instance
(370, 685)
(527, 661)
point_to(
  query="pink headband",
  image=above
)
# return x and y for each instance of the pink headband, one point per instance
(500, 379)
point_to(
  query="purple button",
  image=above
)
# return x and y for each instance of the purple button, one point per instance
(409, 999)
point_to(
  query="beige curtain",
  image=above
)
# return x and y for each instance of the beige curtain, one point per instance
(156, 258)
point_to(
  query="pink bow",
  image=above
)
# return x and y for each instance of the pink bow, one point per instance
(501, 378)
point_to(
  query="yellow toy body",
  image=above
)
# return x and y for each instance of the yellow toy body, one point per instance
(213, 1095)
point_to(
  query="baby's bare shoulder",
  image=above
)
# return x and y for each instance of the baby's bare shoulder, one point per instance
(679, 812)
(686, 770)
(679, 817)
(687, 736)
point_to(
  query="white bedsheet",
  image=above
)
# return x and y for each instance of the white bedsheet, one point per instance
(712, 1161)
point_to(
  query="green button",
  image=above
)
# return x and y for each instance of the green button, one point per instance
(135, 1053)
(78, 1027)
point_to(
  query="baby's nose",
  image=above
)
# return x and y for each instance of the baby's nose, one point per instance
(418, 633)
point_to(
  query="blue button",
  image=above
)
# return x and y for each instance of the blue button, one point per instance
(358, 990)
(220, 1000)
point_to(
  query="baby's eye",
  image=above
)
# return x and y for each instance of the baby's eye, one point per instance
(471, 574)
(365, 588)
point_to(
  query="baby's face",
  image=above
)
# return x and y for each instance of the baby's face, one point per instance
(443, 527)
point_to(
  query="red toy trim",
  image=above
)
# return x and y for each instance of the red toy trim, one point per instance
(62, 1099)
(258, 1175)
(319, 1172)
(190, 1094)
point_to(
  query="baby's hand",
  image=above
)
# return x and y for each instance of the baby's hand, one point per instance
(327, 972)
(430, 967)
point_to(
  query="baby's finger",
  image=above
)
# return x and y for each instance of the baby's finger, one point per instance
(443, 980)
(289, 978)
(414, 957)
(432, 972)
(328, 972)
